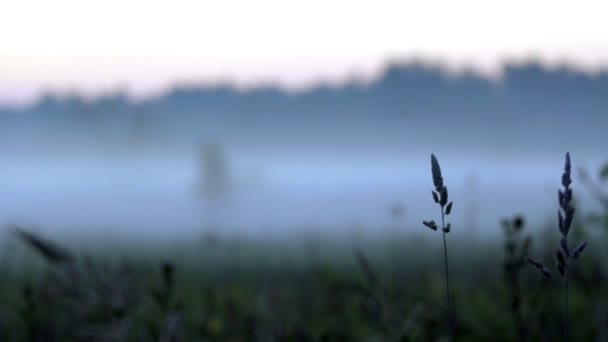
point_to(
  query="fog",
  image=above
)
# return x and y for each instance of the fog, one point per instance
(276, 196)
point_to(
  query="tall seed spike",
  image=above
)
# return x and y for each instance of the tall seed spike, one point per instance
(436, 172)
(566, 180)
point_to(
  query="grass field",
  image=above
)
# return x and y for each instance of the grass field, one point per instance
(362, 290)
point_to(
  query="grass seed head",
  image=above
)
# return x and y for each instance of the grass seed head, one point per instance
(443, 200)
(448, 209)
(447, 228)
(559, 256)
(436, 171)
(431, 224)
(564, 197)
(435, 197)
(566, 180)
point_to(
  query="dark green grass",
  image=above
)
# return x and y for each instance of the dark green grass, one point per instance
(305, 291)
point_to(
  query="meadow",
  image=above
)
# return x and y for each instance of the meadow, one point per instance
(362, 288)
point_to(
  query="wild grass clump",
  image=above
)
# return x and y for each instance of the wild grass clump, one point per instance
(79, 299)
(440, 196)
(564, 254)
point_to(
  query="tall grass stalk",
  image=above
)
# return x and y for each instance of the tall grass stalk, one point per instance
(447, 276)
(564, 254)
(440, 196)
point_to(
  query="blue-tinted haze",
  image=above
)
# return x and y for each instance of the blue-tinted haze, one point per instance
(329, 160)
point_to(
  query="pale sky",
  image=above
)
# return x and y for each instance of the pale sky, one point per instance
(144, 47)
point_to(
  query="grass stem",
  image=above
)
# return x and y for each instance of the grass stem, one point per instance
(565, 308)
(447, 287)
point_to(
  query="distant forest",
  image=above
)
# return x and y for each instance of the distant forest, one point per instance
(407, 103)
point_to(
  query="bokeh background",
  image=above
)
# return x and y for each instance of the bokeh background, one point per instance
(249, 140)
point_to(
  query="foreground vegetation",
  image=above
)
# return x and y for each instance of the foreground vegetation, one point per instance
(377, 291)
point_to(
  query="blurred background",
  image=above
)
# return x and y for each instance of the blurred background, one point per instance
(158, 125)
(156, 120)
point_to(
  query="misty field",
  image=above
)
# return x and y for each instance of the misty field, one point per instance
(361, 288)
(267, 171)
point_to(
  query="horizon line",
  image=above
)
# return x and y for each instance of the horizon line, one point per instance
(362, 77)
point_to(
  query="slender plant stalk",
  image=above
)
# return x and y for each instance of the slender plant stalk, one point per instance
(564, 254)
(565, 306)
(447, 278)
(440, 196)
